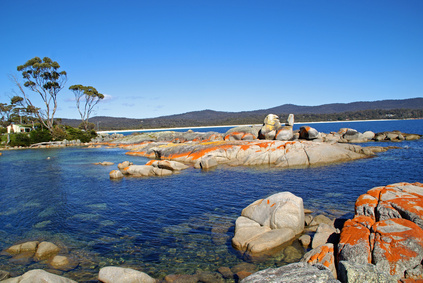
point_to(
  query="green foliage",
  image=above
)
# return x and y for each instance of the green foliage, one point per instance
(77, 134)
(44, 78)
(40, 135)
(17, 100)
(58, 133)
(20, 139)
(90, 96)
(43, 135)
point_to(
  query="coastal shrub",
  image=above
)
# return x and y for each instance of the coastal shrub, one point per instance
(40, 135)
(77, 134)
(58, 133)
(20, 139)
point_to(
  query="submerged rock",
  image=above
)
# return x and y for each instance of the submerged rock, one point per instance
(24, 247)
(46, 250)
(112, 274)
(104, 163)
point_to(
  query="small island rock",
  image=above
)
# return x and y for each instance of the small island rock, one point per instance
(46, 250)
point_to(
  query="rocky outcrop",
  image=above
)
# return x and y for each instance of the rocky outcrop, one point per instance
(384, 241)
(258, 152)
(348, 135)
(269, 223)
(152, 168)
(387, 230)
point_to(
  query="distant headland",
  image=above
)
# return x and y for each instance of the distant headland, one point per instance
(373, 110)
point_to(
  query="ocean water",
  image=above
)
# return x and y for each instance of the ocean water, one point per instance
(176, 224)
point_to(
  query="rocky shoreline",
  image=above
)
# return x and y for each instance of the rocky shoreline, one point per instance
(382, 243)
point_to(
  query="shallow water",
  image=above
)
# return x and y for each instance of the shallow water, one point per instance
(176, 224)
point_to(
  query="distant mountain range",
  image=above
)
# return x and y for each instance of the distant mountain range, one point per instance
(383, 109)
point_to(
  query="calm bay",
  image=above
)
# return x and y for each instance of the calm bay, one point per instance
(176, 224)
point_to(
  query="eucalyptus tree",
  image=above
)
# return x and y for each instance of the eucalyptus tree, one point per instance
(5, 111)
(86, 98)
(44, 78)
(18, 101)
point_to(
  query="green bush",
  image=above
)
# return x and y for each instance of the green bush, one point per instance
(77, 134)
(58, 133)
(20, 139)
(40, 135)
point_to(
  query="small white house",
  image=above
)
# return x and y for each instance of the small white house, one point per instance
(12, 128)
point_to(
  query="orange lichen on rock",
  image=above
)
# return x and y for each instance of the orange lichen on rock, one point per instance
(375, 192)
(366, 199)
(196, 154)
(398, 244)
(354, 241)
(387, 230)
(323, 254)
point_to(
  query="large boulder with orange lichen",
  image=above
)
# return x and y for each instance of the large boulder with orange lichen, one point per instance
(354, 242)
(268, 223)
(386, 231)
(309, 133)
(285, 133)
(400, 200)
(398, 245)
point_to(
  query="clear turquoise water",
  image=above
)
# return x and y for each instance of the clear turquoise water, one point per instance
(175, 224)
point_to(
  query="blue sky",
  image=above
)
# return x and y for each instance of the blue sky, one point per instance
(156, 58)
